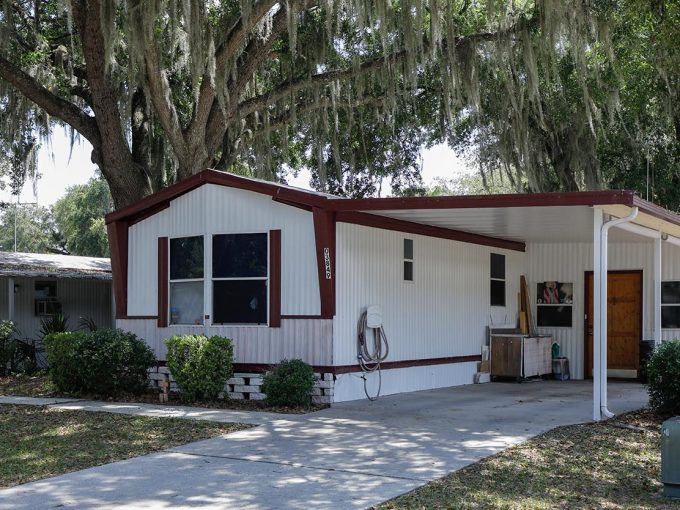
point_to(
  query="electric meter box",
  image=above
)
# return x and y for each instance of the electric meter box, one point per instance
(670, 457)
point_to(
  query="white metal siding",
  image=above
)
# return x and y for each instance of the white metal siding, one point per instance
(444, 312)
(308, 339)
(79, 298)
(567, 262)
(213, 209)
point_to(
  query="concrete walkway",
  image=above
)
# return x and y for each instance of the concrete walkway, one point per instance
(151, 410)
(352, 455)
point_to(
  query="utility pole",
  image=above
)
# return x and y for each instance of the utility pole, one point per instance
(16, 209)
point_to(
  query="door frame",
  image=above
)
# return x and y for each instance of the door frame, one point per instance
(586, 303)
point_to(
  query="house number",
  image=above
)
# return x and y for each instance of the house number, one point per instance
(327, 262)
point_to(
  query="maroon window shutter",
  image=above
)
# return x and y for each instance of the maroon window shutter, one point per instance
(162, 282)
(274, 278)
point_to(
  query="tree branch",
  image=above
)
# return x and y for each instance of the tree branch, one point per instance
(52, 104)
(253, 104)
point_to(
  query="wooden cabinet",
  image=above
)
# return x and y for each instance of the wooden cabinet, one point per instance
(520, 356)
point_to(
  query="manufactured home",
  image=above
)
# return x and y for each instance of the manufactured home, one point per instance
(288, 273)
(34, 286)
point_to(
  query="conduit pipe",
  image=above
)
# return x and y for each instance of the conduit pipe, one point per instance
(604, 267)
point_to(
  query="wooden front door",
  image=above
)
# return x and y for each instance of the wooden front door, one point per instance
(624, 323)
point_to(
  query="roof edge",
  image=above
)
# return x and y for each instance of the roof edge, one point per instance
(572, 198)
(161, 198)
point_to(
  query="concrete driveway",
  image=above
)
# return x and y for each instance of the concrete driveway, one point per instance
(352, 455)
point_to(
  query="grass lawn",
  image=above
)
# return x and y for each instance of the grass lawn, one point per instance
(582, 466)
(39, 385)
(37, 442)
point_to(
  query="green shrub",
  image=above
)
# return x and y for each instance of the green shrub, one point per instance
(663, 372)
(55, 323)
(200, 365)
(7, 346)
(289, 383)
(101, 362)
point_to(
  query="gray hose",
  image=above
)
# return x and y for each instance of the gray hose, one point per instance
(370, 360)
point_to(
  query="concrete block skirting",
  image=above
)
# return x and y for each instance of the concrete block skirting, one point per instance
(246, 386)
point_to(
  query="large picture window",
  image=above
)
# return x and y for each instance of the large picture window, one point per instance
(186, 280)
(670, 305)
(240, 273)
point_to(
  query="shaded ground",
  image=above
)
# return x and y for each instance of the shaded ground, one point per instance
(352, 455)
(603, 465)
(39, 385)
(38, 442)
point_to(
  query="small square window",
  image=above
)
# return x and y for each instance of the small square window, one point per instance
(408, 270)
(408, 249)
(497, 293)
(497, 266)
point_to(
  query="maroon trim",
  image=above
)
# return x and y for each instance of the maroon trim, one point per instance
(346, 369)
(139, 209)
(388, 365)
(118, 243)
(293, 204)
(307, 199)
(274, 278)
(162, 282)
(385, 223)
(150, 212)
(583, 198)
(324, 235)
(139, 317)
(656, 210)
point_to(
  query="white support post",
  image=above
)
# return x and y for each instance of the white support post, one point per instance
(597, 228)
(604, 271)
(657, 291)
(10, 299)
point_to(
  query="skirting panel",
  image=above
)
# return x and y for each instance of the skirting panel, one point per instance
(401, 380)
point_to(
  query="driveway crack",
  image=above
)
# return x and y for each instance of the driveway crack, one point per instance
(302, 466)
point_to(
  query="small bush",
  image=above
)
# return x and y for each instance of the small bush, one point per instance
(289, 383)
(663, 372)
(200, 365)
(7, 346)
(101, 362)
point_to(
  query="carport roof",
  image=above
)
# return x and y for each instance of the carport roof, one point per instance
(514, 217)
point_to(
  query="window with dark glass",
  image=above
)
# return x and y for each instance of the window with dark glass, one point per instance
(240, 273)
(408, 260)
(186, 280)
(497, 279)
(670, 305)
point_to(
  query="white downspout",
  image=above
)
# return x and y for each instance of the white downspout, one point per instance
(657, 291)
(604, 266)
(597, 230)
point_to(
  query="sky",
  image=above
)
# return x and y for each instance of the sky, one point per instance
(60, 168)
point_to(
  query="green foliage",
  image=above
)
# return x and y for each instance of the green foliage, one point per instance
(7, 346)
(87, 323)
(55, 323)
(80, 218)
(663, 373)
(36, 230)
(201, 365)
(102, 362)
(289, 383)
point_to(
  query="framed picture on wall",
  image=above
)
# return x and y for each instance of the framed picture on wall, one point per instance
(554, 304)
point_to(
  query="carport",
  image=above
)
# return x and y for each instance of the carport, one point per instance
(570, 235)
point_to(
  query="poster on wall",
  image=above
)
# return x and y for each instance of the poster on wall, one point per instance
(554, 302)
